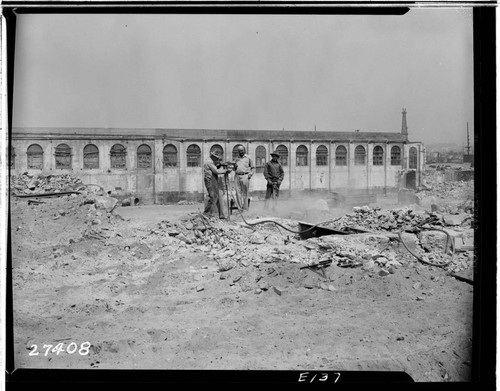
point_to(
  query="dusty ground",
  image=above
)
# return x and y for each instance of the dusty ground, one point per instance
(144, 299)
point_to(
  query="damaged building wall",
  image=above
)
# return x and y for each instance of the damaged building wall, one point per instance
(160, 166)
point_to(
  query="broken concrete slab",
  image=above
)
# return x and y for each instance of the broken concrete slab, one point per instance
(106, 203)
(453, 220)
(278, 290)
(370, 265)
(393, 264)
(274, 240)
(257, 238)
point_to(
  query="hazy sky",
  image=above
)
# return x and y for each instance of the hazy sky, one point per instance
(339, 73)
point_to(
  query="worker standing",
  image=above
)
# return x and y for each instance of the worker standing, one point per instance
(274, 174)
(211, 171)
(244, 171)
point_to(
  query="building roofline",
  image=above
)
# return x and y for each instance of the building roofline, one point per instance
(206, 134)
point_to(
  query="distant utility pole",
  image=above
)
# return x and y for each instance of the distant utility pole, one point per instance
(468, 145)
(314, 127)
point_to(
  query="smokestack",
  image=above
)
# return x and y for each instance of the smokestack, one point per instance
(404, 127)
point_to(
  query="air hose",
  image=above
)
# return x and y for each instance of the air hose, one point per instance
(448, 240)
(275, 222)
(448, 237)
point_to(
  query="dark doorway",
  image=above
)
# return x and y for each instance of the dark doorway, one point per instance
(411, 180)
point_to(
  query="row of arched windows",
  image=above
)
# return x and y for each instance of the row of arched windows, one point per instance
(118, 154)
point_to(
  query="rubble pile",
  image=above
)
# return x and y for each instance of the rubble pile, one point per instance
(435, 185)
(231, 243)
(402, 219)
(33, 184)
(366, 250)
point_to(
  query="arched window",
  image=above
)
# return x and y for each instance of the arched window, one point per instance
(395, 156)
(63, 156)
(117, 155)
(378, 156)
(169, 156)
(283, 151)
(302, 155)
(260, 158)
(217, 149)
(193, 154)
(359, 155)
(413, 158)
(341, 156)
(35, 157)
(235, 151)
(90, 157)
(144, 156)
(12, 157)
(322, 156)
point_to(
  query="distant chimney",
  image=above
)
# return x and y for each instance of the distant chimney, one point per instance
(404, 127)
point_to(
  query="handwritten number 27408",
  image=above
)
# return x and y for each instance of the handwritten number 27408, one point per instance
(72, 347)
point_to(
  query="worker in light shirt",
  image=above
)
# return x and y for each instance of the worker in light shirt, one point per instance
(244, 172)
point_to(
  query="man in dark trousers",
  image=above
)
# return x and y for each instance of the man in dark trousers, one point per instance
(211, 171)
(274, 174)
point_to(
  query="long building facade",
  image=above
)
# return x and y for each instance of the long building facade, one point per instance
(160, 166)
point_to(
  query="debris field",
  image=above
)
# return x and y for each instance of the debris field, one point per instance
(392, 293)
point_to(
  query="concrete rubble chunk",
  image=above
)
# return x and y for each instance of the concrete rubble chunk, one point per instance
(33, 184)
(106, 203)
(257, 238)
(273, 240)
(370, 265)
(173, 232)
(94, 189)
(227, 254)
(393, 264)
(453, 220)
(225, 265)
(184, 238)
(381, 260)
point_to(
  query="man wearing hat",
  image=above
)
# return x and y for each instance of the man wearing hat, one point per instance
(244, 171)
(274, 174)
(211, 172)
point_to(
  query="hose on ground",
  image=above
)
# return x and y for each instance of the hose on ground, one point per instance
(275, 222)
(448, 240)
(448, 237)
(286, 228)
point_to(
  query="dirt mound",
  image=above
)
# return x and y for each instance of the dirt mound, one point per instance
(248, 297)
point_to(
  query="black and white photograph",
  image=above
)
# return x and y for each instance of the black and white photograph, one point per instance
(244, 191)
